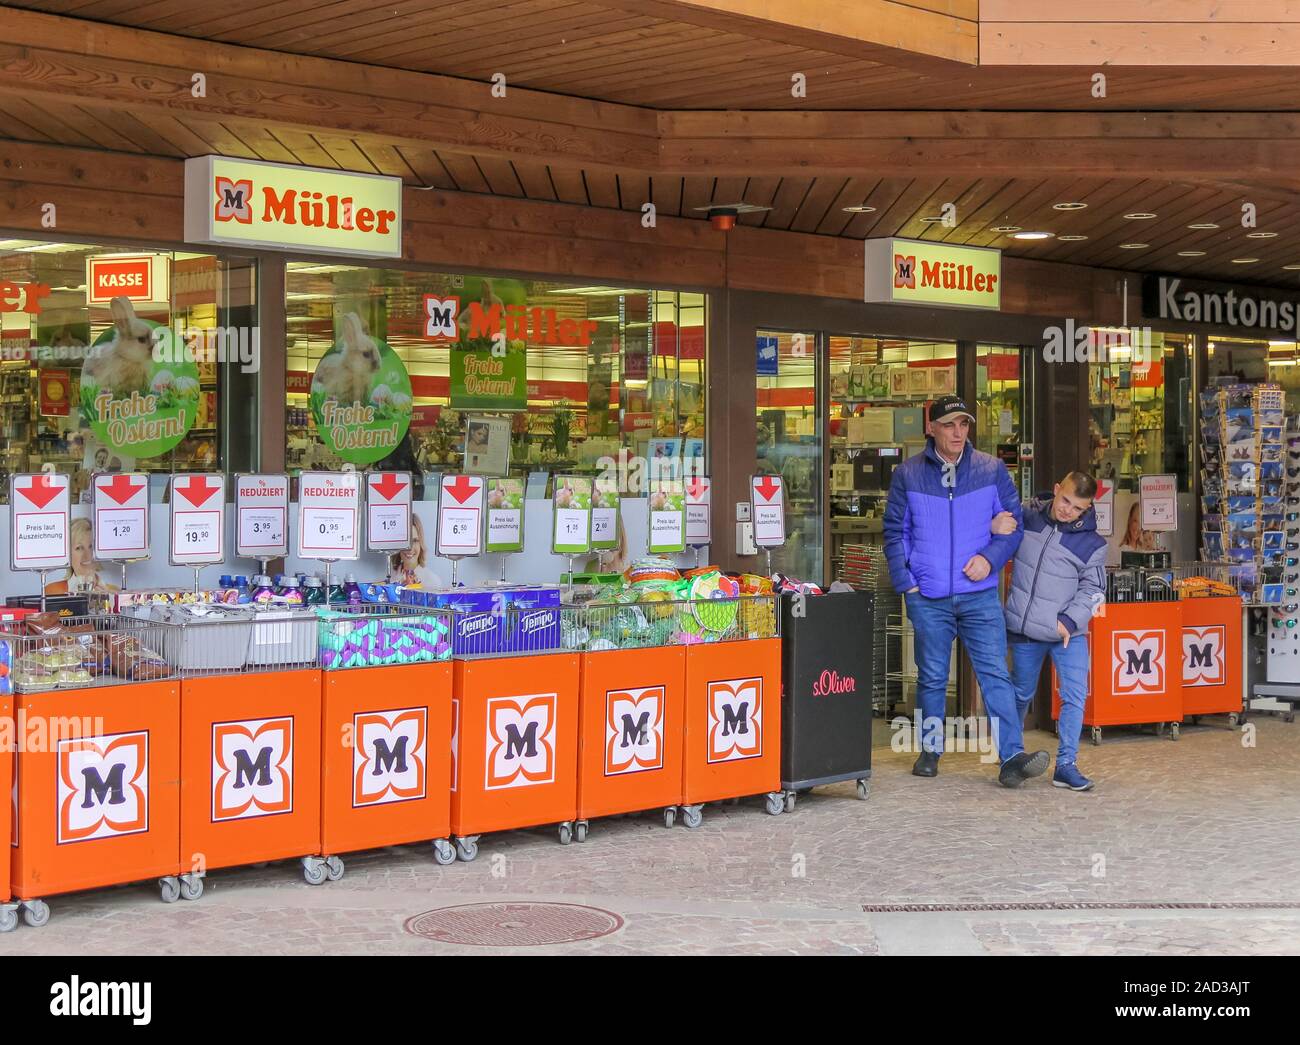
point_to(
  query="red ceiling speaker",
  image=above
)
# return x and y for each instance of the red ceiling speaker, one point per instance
(723, 216)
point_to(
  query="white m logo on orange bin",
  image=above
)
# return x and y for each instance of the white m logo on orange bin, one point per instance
(388, 756)
(735, 708)
(1203, 657)
(520, 741)
(252, 768)
(103, 786)
(1138, 662)
(634, 726)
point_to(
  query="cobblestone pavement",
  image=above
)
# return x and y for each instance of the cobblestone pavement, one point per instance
(1202, 820)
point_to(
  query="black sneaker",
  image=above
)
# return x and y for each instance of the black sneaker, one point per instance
(1019, 768)
(926, 765)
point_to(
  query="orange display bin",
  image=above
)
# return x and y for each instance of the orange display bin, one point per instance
(98, 791)
(1135, 676)
(1212, 656)
(733, 724)
(514, 746)
(8, 805)
(386, 758)
(630, 738)
(250, 771)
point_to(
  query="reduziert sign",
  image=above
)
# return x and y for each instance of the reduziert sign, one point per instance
(917, 272)
(250, 203)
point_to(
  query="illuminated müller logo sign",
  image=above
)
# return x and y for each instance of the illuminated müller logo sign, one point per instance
(255, 204)
(917, 272)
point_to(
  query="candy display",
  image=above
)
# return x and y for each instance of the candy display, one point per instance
(352, 639)
(53, 651)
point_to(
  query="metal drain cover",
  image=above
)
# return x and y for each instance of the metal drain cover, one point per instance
(514, 924)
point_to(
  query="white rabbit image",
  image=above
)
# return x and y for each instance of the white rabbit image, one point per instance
(345, 375)
(122, 365)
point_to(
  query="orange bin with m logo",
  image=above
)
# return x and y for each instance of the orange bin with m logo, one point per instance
(1211, 656)
(8, 805)
(1135, 674)
(514, 745)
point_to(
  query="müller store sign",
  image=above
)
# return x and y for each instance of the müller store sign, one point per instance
(248, 203)
(916, 272)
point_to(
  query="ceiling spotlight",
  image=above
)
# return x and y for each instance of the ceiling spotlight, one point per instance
(1006, 229)
(1244, 261)
(1071, 239)
(1134, 246)
(1032, 235)
(933, 219)
(1291, 268)
(858, 208)
(1203, 225)
(1261, 235)
(1140, 215)
(1191, 253)
(1069, 206)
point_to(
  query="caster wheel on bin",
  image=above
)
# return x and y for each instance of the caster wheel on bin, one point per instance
(333, 868)
(864, 789)
(191, 887)
(566, 834)
(8, 919)
(580, 831)
(1234, 719)
(36, 913)
(692, 818)
(1289, 717)
(313, 871)
(169, 889)
(789, 801)
(444, 852)
(775, 803)
(466, 849)
(1173, 730)
(670, 816)
(1160, 729)
(1096, 734)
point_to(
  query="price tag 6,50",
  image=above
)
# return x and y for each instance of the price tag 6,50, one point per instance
(460, 515)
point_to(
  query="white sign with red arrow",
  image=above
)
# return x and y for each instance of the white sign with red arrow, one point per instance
(388, 511)
(1104, 505)
(460, 515)
(767, 495)
(38, 520)
(328, 505)
(198, 510)
(699, 493)
(261, 516)
(121, 529)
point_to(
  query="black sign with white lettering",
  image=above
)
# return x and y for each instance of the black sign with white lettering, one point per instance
(1216, 304)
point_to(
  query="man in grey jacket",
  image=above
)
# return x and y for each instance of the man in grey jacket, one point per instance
(1057, 585)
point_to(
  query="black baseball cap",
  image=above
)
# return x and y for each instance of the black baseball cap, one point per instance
(946, 408)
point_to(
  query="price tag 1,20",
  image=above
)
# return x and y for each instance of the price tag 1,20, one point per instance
(198, 519)
(261, 516)
(328, 506)
(121, 507)
(38, 521)
(388, 511)
(460, 515)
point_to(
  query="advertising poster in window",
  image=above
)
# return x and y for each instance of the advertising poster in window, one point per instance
(481, 378)
(487, 445)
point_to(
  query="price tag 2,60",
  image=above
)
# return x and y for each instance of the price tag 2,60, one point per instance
(198, 519)
(328, 506)
(460, 515)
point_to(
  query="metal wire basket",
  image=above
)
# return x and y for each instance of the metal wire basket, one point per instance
(668, 622)
(83, 652)
(381, 635)
(227, 640)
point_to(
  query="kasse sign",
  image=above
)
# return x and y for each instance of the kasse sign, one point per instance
(248, 203)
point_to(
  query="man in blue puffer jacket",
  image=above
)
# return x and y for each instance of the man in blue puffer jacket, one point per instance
(1057, 586)
(945, 561)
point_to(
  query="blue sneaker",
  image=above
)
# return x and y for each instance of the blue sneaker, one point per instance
(1068, 775)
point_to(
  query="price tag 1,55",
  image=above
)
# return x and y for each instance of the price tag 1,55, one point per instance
(198, 517)
(328, 506)
(460, 515)
(121, 530)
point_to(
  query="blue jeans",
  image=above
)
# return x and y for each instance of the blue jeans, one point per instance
(1072, 677)
(977, 618)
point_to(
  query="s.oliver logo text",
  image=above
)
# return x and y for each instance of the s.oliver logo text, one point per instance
(829, 682)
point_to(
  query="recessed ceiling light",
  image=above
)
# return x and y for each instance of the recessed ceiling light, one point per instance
(858, 208)
(1005, 228)
(1071, 239)
(1203, 225)
(1134, 246)
(1139, 215)
(933, 219)
(1244, 261)
(1191, 253)
(1069, 206)
(1032, 235)
(1291, 268)
(1261, 235)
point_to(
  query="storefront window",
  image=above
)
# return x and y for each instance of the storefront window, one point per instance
(1140, 409)
(1253, 361)
(390, 368)
(116, 360)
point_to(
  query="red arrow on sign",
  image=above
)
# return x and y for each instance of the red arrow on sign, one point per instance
(462, 488)
(42, 491)
(198, 492)
(121, 488)
(767, 487)
(389, 486)
(697, 487)
(1102, 489)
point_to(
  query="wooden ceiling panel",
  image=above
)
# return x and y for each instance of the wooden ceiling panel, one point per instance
(817, 203)
(666, 192)
(602, 188)
(633, 191)
(260, 139)
(427, 166)
(305, 146)
(386, 159)
(696, 192)
(760, 192)
(570, 186)
(785, 204)
(465, 172)
(535, 179)
(18, 123)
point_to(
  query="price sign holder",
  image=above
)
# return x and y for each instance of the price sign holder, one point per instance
(261, 517)
(699, 497)
(571, 517)
(460, 518)
(328, 506)
(38, 523)
(121, 517)
(606, 517)
(767, 509)
(666, 533)
(388, 514)
(505, 497)
(198, 521)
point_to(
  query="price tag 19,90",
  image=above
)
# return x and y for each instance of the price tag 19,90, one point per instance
(328, 506)
(699, 528)
(460, 515)
(261, 516)
(388, 511)
(121, 506)
(38, 521)
(198, 519)
(767, 497)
